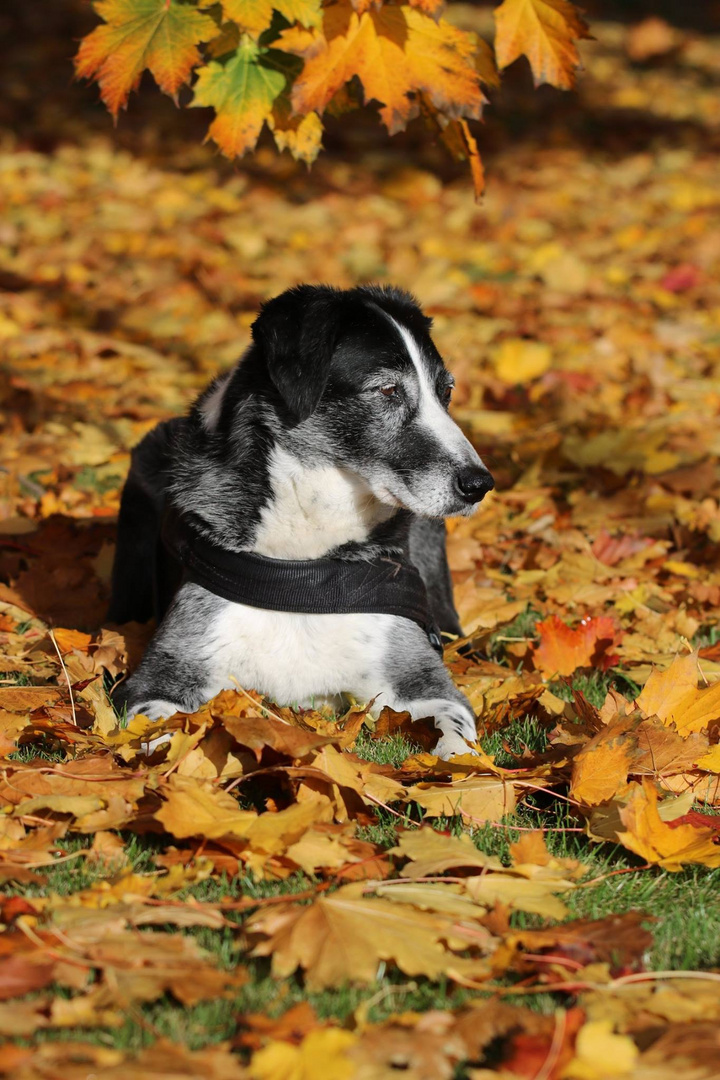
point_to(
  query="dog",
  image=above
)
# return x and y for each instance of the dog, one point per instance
(329, 447)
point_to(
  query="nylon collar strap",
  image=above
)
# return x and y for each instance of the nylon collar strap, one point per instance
(307, 586)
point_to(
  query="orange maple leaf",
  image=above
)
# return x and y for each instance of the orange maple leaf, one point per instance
(161, 35)
(545, 31)
(562, 650)
(601, 767)
(396, 53)
(670, 844)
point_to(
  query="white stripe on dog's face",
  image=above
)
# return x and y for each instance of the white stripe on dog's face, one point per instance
(432, 414)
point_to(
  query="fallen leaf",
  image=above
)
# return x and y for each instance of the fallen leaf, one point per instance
(650, 837)
(343, 937)
(478, 799)
(562, 650)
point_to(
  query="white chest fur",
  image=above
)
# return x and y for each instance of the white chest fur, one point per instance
(314, 510)
(294, 658)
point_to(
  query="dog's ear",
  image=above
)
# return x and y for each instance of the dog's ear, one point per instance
(297, 332)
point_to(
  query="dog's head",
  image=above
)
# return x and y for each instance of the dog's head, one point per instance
(361, 386)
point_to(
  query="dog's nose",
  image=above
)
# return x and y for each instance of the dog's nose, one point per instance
(474, 484)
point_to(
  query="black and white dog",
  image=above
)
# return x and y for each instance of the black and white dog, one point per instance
(329, 445)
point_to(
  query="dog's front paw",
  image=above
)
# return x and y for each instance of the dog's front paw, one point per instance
(156, 709)
(450, 745)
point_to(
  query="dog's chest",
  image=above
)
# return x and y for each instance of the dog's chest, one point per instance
(296, 658)
(314, 510)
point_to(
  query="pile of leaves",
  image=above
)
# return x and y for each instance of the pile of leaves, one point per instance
(244, 790)
(273, 891)
(288, 62)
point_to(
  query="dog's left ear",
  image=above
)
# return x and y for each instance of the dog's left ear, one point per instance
(297, 332)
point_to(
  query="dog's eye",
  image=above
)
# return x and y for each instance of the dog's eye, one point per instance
(446, 394)
(390, 391)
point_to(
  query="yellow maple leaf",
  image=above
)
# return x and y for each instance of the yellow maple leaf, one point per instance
(254, 16)
(675, 698)
(301, 135)
(665, 689)
(545, 31)
(600, 1053)
(197, 808)
(710, 762)
(462, 144)
(322, 1055)
(479, 798)
(517, 360)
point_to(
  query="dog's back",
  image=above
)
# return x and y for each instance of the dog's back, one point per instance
(145, 576)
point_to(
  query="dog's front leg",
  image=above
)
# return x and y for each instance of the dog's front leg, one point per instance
(174, 675)
(452, 716)
(421, 685)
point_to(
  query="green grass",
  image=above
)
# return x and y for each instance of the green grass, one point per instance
(14, 678)
(92, 479)
(391, 751)
(705, 636)
(522, 628)
(45, 748)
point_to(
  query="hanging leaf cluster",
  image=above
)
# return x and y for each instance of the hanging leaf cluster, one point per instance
(287, 63)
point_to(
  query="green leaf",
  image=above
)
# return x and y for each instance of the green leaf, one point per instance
(242, 92)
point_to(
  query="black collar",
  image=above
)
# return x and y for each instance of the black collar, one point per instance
(389, 586)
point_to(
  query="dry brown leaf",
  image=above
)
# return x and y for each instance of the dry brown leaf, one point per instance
(343, 937)
(477, 799)
(196, 808)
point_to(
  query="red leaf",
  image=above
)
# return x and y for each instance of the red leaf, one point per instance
(681, 278)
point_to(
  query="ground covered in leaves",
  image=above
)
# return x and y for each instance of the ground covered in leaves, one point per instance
(282, 894)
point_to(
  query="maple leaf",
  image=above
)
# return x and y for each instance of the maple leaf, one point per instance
(675, 698)
(19, 975)
(545, 31)
(618, 939)
(462, 144)
(161, 35)
(664, 690)
(563, 650)
(321, 1053)
(517, 360)
(68, 640)
(242, 91)
(598, 1050)
(431, 853)
(254, 16)
(301, 135)
(601, 768)
(396, 52)
(343, 937)
(480, 798)
(193, 808)
(657, 841)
